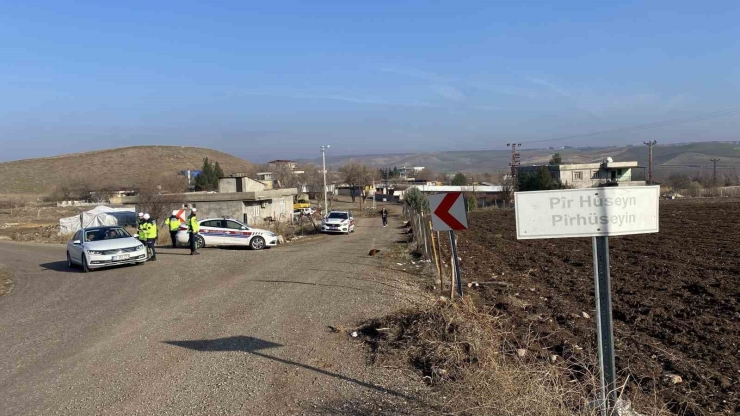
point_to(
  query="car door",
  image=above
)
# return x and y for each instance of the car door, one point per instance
(351, 222)
(212, 232)
(236, 233)
(75, 250)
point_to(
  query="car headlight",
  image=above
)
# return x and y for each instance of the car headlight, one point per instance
(139, 247)
(95, 252)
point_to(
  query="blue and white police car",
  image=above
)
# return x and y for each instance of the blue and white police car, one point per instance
(227, 232)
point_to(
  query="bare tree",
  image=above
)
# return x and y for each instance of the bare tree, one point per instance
(160, 196)
(507, 186)
(285, 176)
(426, 174)
(356, 175)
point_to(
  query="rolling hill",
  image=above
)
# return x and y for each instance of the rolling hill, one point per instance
(116, 168)
(687, 157)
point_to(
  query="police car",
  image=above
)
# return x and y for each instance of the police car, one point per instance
(227, 232)
(338, 222)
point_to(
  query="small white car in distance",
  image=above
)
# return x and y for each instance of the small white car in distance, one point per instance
(338, 222)
(97, 247)
(227, 232)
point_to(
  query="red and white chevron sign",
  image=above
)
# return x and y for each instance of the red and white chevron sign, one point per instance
(448, 212)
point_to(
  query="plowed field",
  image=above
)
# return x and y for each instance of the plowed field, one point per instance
(676, 298)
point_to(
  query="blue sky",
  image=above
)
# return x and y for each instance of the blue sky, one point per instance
(275, 79)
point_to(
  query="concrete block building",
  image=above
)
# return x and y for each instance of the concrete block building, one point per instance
(591, 175)
(238, 197)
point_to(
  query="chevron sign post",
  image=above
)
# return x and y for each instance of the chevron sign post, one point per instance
(448, 214)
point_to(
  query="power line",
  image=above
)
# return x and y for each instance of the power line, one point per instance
(664, 123)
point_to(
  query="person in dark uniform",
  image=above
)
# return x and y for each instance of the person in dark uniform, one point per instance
(384, 215)
(193, 228)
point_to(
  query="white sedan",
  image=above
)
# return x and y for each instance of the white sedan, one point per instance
(338, 222)
(227, 232)
(97, 247)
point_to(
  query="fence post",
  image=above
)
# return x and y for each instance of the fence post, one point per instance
(434, 255)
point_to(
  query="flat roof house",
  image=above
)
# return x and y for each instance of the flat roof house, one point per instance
(238, 197)
(592, 175)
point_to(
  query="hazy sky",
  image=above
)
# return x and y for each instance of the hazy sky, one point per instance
(269, 79)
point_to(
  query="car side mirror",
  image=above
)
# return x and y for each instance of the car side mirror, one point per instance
(244, 227)
(77, 242)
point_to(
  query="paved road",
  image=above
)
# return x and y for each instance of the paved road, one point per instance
(227, 332)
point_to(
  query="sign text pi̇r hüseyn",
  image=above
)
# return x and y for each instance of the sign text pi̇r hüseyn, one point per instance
(593, 201)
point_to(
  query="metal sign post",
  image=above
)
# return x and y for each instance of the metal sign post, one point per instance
(605, 334)
(448, 214)
(453, 247)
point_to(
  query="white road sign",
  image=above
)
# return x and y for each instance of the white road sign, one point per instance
(592, 212)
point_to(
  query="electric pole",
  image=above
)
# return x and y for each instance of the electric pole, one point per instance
(714, 171)
(514, 165)
(323, 163)
(650, 160)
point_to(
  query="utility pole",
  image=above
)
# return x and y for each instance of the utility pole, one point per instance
(323, 163)
(714, 171)
(514, 165)
(650, 160)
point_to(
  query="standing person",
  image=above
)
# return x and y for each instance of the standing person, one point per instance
(193, 228)
(384, 215)
(173, 222)
(140, 228)
(150, 236)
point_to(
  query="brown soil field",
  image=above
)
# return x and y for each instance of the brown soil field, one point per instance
(676, 299)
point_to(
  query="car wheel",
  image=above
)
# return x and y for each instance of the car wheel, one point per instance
(200, 242)
(85, 267)
(69, 261)
(257, 243)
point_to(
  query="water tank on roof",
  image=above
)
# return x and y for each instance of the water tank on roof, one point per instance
(608, 160)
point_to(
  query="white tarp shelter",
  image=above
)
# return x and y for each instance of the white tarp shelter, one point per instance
(96, 217)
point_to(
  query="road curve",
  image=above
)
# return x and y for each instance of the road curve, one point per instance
(227, 332)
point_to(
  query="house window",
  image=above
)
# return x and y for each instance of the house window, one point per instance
(577, 176)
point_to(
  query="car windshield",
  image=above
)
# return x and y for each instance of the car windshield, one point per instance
(96, 234)
(338, 215)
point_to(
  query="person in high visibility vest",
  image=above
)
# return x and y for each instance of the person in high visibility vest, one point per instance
(140, 225)
(174, 225)
(150, 232)
(193, 228)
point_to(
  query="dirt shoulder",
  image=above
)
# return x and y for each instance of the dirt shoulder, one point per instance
(6, 283)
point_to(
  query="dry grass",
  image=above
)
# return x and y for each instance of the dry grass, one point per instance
(6, 284)
(466, 354)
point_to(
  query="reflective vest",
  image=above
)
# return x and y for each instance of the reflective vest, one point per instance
(173, 224)
(142, 231)
(151, 231)
(193, 225)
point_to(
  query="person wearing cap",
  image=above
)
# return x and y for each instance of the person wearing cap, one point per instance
(140, 225)
(151, 236)
(173, 222)
(193, 228)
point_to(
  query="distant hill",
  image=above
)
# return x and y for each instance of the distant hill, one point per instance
(689, 157)
(117, 168)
